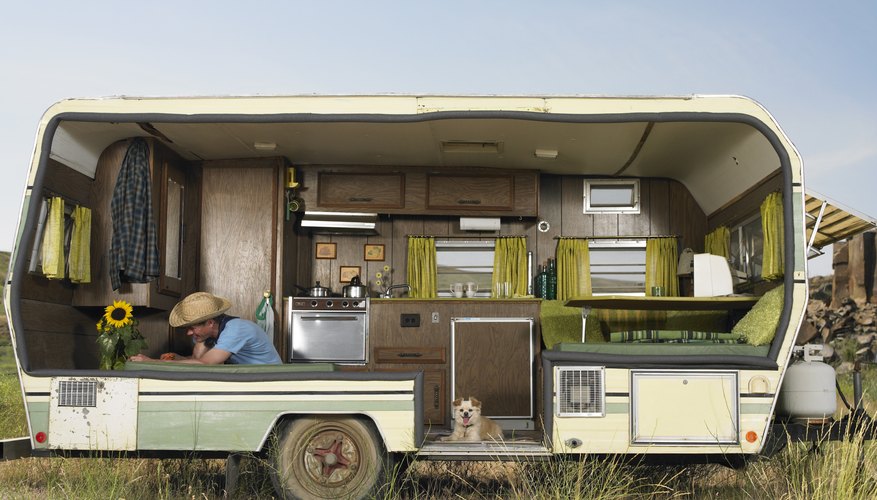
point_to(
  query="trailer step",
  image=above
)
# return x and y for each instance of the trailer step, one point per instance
(484, 450)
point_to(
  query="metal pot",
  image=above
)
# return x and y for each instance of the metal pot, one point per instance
(355, 289)
(315, 291)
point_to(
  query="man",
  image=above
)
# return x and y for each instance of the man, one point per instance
(219, 338)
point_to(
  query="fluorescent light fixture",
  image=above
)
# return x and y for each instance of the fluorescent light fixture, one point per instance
(340, 222)
(493, 147)
(265, 146)
(479, 223)
(546, 154)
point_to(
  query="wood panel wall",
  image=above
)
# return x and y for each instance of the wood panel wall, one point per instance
(667, 209)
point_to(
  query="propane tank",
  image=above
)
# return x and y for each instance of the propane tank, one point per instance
(808, 389)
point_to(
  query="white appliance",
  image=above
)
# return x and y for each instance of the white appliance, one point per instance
(712, 276)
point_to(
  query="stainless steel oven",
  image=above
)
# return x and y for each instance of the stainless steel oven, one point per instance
(328, 329)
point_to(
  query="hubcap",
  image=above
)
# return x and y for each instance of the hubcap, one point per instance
(332, 458)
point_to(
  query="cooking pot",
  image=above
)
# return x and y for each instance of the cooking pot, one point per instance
(315, 291)
(355, 289)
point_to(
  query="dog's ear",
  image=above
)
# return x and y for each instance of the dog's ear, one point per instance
(457, 402)
(475, 402)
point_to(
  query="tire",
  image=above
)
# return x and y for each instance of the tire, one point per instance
(327, 457)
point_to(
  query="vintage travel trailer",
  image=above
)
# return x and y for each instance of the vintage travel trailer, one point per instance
(606, 275)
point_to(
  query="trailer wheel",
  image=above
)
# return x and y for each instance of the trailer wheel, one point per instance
(327, 457)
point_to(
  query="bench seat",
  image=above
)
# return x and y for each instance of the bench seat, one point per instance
(644, 349)
(162, 366)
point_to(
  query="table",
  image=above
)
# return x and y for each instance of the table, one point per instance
(724, 303)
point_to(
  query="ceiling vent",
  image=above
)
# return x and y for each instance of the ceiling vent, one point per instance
(340, 223)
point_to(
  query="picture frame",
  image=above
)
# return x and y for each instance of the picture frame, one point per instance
(348, 272)
(326, 250)
(373, 251)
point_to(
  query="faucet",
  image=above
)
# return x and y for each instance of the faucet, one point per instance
(388, 293)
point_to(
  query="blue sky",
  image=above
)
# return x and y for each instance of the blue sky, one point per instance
(809, 63)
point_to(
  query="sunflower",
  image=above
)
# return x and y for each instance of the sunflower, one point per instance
(119, 314)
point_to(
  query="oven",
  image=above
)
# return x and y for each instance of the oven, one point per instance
(327, 329)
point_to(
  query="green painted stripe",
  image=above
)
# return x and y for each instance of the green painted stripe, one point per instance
(617, 408)
(754, 408)
(275, 406)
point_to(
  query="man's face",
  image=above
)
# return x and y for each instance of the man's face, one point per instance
(201, 331)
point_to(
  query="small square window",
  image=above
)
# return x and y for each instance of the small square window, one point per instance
(463, 262)
(611, 196)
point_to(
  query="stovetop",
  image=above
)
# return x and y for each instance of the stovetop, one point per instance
(329, 304)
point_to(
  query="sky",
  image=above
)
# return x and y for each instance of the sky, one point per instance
(809, 63)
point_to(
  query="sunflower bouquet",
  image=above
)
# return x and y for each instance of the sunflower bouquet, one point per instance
(118, 336)
(384, 280)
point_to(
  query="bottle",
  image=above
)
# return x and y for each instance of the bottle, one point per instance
(552, 280)
(541, 283)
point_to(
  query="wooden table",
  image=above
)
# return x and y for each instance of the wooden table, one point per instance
(627, 302)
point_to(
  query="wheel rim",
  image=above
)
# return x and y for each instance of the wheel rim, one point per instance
(332, 458)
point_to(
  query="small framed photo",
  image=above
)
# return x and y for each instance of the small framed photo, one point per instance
(348, 272)
(374, 252)
(326, 250)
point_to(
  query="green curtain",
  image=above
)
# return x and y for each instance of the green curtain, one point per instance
(510, 264)
(718, 242)
(661, 261)
(573, 268)
(422, 275)
(772, 225)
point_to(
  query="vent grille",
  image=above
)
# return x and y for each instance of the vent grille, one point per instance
(82, 393)
(580, 392)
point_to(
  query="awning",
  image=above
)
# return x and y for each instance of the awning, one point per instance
(832, 221)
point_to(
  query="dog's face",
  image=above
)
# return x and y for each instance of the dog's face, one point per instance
(467, 411)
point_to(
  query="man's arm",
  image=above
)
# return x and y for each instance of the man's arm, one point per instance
(202, 356)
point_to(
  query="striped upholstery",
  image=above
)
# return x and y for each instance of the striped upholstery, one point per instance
(675, 336)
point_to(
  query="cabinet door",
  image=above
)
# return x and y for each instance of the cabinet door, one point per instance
(371, 191)
(475, 193)
(492, 360)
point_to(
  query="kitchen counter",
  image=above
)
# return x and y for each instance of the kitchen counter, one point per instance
(477, 300)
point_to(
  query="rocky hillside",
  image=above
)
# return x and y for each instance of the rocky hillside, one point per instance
(850, 326)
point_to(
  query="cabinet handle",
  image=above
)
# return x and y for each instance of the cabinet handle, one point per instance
(469, 202)
(435, 397)
(409, 354)
(354, 199)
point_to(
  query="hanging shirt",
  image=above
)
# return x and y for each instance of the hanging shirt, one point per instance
(134, 249)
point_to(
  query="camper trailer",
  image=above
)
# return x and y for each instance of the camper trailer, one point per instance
(622, 276)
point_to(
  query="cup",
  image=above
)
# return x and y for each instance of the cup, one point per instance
(457, 290)
(471, 289)
(501, 290)
(657, 291)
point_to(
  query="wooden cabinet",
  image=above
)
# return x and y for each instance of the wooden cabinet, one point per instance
(371, 191)
(470, 192)
(493, 361)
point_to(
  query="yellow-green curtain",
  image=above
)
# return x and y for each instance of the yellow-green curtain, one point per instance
(772, 225)
(573, 268)
(510, 263)
(718, 242)
(661, 261)
(422, 273)
(80, 246)
(53, 240)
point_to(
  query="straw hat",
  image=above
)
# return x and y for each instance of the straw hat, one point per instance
(196, 308)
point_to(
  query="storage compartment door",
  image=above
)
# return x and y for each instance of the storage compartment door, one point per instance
(684, 407)
(93, 413)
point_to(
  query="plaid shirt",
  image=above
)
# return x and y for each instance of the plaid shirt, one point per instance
(134, 250)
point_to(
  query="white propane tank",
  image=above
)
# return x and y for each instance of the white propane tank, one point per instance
(808, 389)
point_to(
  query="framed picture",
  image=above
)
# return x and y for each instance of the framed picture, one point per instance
(374, 252)
(348, 272)
(326, 250)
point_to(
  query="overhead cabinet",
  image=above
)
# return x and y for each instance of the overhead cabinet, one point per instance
(351, 191)
(469, 192)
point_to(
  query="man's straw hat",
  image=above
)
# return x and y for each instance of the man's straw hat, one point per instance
(197, 308)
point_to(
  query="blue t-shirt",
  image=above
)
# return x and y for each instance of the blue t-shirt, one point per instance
(247, 343)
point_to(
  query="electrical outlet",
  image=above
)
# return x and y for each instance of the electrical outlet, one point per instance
(435, 317)
(410, 320)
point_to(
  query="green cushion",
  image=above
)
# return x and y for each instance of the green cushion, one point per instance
(666, 349)
(759, 325)
(162, 366)
(564, 324)
(678, 336)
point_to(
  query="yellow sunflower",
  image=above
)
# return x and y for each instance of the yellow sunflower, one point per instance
(119, 314)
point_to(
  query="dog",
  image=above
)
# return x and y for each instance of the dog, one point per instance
(470, 425)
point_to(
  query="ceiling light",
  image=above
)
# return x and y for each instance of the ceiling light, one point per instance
(265, 146)
(546, 154)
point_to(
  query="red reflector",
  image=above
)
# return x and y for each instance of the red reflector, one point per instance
(751, 436)
(40, 437)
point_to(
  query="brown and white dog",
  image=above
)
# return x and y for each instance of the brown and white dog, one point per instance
(470, 425)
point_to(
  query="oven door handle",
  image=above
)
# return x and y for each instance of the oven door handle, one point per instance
(330, 318)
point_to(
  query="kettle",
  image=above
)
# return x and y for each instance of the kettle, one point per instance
(355, 289)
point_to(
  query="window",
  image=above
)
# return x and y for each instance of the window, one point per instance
(618, 266)
(747, 249)
(462, 262)
(612, 196)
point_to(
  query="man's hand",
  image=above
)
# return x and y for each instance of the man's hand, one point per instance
(140, 357)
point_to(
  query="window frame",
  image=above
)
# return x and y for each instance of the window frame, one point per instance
(484, 289)
(603, 244)
(589, 207)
